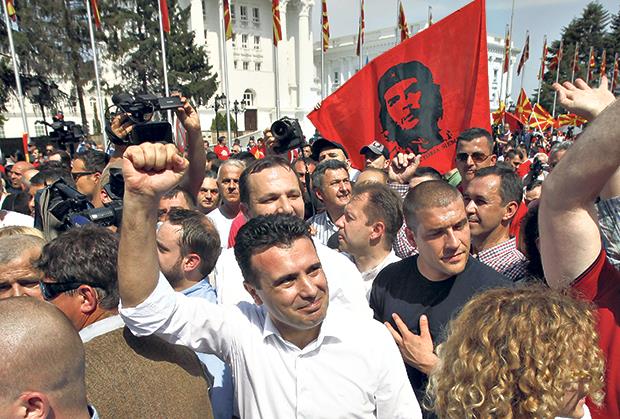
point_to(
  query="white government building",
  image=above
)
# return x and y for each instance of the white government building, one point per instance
(250, 58)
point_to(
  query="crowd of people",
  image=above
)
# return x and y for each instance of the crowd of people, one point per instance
(247, 283)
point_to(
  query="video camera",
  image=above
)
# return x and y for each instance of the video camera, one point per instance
(64, 132)
(140, 109)
(288, 133)
(59, 207)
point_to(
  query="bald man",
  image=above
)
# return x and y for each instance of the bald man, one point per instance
(42, 370)
(17, 172)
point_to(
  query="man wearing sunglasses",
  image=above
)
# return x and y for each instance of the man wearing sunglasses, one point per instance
(474, 150)
(86, 169)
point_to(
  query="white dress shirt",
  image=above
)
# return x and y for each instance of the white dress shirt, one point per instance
(346, 288)
(352, 370)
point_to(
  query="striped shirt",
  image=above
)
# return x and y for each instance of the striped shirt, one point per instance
(324, 226)
(506, 259)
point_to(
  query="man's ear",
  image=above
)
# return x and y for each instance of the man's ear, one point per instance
(493, 159)
(97, 177)
(32, 405)
(511, 210)
(378, 230)
(105, 198)
(191, 262)
(88, 299)
(410, 235)
(319, 195)
(252, 290)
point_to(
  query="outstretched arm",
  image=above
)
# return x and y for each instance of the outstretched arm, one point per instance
(569, 235)
(149, 171)
(195, 148)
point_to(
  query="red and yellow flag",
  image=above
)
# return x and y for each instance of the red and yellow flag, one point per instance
(603, 68)
(498, 115)
(96, 16)
(402, 23)
(575, 65)
(541, 119)
(228, 32)
(524, 108)
(507, 51)
(10, 8)
(165, 19)
(277, 26)
(325, 26)
(525, 55)
(570, 119)
(554, 64)
(591, 63)
(543, 60)
(360, 32)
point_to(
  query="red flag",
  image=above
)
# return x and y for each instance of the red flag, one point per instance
(507, 52)
(541, 118)
(360, 32)
(554, 64)
(591, 64)
(95, 7)
(228, 32)
(10, 8)
(499, 114)
(543, 60)
(165, 20)
(419, 95)
(277, 27)
(325, 25)
(603, 68)
(614, 76)
(525, 55)
(570, 119)
(513, 122)
(402, 23)
(524, 108)
(575, 65)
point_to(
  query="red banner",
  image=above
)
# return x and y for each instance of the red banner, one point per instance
(277, 27)
(165, 20)
(96, 15)
(419, 95)
(228, 32)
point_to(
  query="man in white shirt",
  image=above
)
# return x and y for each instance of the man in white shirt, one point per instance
(368, 228)
(228, 184)
(270, 186)
(291, 356)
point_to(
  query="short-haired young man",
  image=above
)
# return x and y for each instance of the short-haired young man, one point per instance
(474, 150)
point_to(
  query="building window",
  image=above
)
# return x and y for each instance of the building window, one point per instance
(243, 12)
(244, 41)
(248, 97)
(336, 78)
(256, 66)
(233, 15)
(39, 130)
(255, 16)
(257, 42)
(234, 40)
(246, 65)
(236, 64)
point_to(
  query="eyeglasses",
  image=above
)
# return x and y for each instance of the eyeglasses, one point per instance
(77, 175)
(51, 290)
(477, 157)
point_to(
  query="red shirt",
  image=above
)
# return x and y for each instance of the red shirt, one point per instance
(524, 168)
(258, 152)
(223, 153)
(238, 222)
(600, 283)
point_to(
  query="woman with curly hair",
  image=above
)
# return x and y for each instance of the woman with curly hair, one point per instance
(518, 353)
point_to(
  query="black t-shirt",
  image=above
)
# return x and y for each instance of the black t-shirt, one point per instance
(400, 288)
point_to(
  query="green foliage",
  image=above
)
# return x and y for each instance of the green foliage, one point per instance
(135, 48)
(220, 120)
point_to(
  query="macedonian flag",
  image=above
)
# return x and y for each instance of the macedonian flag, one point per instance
(524, 108)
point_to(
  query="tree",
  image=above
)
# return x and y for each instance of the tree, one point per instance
(219, 123)
(136, 50)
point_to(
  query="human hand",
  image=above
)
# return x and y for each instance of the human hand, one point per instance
(582, 100)
(121, 125)
(188, 115)
(151, 169)
(416, 350)
(403, 167)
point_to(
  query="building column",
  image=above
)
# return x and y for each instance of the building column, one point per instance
(283, 52)
(306, 64)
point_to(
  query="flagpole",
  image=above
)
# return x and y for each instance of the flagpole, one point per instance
(589, 68)
(501, 80)
(575, 57)
(361, 34)
(542, 61)
(18, 83)
(97, 79)
(163, 56)
(509, 76)
(557, 76)
(225, 74)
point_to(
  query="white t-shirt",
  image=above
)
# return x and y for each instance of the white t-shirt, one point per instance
(222, 224)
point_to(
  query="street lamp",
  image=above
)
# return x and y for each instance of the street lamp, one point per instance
(217, 105)
(238, 108)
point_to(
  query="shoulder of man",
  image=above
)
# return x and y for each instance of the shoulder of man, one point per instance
(480, 275)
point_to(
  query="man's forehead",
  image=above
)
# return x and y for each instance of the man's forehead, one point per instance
(267, 178)
(484, 185)
(331, 151)
(442, 217)
(263, 261)
(209, 182)
(336, 173)
(477, 144)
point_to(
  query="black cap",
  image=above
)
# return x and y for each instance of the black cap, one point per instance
(321, 144)
(377, 148)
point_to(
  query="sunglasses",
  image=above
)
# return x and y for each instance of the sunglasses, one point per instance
(77, 175)
(51, 290)
(477, 157)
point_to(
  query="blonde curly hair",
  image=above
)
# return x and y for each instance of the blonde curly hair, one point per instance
(515, 353)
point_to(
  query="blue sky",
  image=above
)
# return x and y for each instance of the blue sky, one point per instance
(541, 17)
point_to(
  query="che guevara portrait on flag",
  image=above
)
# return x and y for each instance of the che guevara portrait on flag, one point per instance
(417, 96)
(411, 107)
